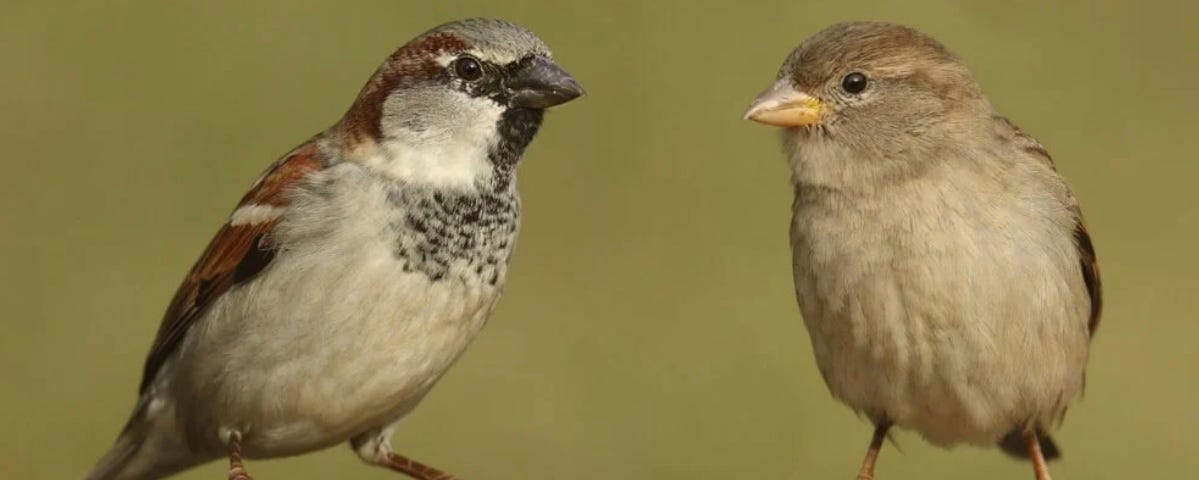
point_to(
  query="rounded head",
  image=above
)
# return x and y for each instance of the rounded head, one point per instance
(459, 78)
(867, 82)
(495, 41)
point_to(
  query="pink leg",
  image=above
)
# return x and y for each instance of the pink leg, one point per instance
(876, 444)
(1034, 452)
(415, 469)
(237, 471)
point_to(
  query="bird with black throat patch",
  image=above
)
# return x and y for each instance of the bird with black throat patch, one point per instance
(941, 264)
(356, 269)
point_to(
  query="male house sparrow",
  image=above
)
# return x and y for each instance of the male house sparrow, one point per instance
(941, 264)
(356, 269)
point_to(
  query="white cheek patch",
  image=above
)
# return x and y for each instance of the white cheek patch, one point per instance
(254, 214)
(450, 149)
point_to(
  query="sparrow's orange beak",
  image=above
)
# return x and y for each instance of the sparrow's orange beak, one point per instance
(782, 105)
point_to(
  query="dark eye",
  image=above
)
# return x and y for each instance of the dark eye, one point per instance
(854, 82)
(467, 68)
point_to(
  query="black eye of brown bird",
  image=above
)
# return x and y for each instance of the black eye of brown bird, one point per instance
(468, 68)
(854, 82)
(941, 263)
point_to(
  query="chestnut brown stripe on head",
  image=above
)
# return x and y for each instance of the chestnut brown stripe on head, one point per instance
(475, 84)
(413, 62)
(492, 60)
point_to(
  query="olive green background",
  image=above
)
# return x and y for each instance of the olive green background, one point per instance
(648, 329)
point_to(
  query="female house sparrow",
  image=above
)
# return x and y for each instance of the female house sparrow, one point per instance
(356, 269)
(941, 263)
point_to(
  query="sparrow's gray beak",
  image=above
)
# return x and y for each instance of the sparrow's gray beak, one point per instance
(540, 83)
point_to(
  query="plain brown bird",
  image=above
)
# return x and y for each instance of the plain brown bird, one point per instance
(941, 263)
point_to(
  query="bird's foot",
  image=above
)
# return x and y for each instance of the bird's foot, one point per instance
(415, 469)
(239, 473)
(876, 444)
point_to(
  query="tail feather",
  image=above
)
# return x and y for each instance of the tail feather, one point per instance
(113, 463)
(1013, 444)
(148, 448)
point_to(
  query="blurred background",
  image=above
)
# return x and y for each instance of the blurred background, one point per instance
(649, 329)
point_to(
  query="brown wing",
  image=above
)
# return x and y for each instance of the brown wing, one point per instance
(238, 252)
(1090, 271)
(1086, 250)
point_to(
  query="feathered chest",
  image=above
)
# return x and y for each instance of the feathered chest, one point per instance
(951, 238)
(436, 233)
(439, 234)
(925, 223)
